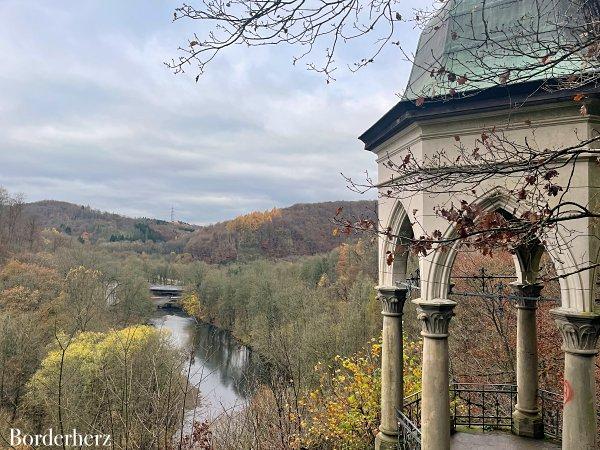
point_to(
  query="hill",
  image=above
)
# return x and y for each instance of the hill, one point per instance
(301, 229)
(98, 226)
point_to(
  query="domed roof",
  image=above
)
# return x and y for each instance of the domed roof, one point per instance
(472, 44)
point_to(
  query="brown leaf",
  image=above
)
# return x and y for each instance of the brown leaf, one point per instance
(462, 80)
(583, 110)
(390, 258)
(578, 97)
(456, 137)
(420, 101)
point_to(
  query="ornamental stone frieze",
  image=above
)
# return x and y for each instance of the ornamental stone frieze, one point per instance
(435, 317)
(392, 300)
(580, 331)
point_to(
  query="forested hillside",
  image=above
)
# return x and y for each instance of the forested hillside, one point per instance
(302, 229)
(97, 226)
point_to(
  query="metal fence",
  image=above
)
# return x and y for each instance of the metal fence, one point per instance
(409, 423)
(476, 405)
(551, 405)
(487, 406)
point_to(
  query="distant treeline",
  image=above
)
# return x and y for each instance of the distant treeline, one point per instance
(302, 229)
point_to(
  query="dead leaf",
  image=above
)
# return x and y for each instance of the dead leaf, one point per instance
(390, 258)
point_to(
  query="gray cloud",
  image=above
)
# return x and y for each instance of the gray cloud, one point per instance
(90, 114)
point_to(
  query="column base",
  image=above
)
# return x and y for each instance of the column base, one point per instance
(528, 425)
(386, 441)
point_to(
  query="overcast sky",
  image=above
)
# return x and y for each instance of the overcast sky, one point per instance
(89, 114)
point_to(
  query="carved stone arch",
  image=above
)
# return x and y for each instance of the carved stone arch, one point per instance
(401, 227)
(438, 266)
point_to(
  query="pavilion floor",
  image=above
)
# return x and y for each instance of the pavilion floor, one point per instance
(476, 440)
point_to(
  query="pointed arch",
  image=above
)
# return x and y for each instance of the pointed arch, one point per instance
(401, 227)
(436, 268)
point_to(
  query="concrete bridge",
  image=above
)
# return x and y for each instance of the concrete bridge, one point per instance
(166, 295)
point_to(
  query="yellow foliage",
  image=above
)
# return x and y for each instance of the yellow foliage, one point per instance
(88, 351)
(96, 372)
(253, 221)
(343, 412)
(323, 281)
(191, 305)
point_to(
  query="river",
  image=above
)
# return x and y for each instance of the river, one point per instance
(223, 370)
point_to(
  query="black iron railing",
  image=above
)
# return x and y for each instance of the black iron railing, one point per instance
(551, 405)
(476, 405)
(487, 406)
(409, 423)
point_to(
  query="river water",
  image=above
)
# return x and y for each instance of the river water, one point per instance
(223, 370)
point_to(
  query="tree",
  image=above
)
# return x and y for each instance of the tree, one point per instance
(127, 383)
(343, 410)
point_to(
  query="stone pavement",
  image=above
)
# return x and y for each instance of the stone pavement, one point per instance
(497, 440)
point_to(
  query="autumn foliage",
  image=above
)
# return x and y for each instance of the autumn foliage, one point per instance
(343, 411)
(253, 220)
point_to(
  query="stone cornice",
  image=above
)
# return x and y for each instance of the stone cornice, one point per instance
(435, 317)
(580, 331)
(392, 300)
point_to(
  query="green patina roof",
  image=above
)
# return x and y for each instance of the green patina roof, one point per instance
(522, 33)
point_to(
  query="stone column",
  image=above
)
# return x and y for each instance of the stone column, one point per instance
(392, 391)
(580, 332)
(435, 317)
(527, 419)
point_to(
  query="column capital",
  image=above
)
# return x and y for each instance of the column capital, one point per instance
(435, 317)
(527, 294)
(392, 300)
(580, 330)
